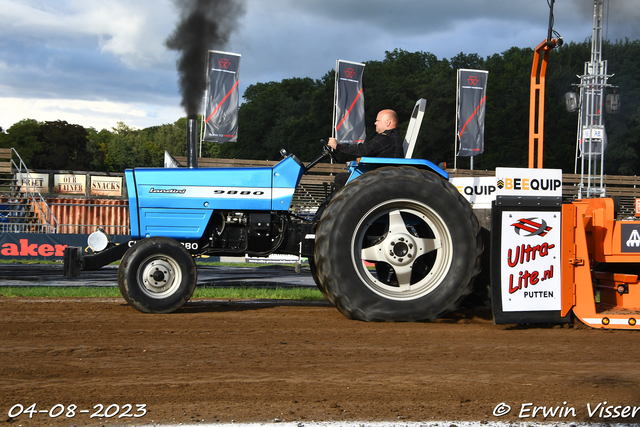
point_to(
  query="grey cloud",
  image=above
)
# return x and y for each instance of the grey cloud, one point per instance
(113, 49)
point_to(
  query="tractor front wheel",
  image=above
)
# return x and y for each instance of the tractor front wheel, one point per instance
(157, 275)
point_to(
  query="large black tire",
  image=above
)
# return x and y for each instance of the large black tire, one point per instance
(410, 224)
(314, 274)
(157, 275)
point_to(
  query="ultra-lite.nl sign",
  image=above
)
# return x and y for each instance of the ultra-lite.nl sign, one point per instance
(530, 261)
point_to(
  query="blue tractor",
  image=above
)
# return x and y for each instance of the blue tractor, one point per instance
(397, 243)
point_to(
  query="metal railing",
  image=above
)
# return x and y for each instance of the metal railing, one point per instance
(22, 207)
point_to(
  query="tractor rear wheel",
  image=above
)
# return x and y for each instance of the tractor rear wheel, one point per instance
(314, 274)
(157, 275)
(397, 244)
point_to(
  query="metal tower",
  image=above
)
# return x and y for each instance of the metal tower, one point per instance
(591, 136)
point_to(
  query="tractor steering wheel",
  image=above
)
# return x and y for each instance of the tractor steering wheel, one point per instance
(328, 150)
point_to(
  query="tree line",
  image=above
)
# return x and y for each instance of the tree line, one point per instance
(296, 113)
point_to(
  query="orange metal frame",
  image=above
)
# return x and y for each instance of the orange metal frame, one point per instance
(536, 98)
(590, 237)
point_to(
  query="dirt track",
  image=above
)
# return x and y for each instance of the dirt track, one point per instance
(261, 361)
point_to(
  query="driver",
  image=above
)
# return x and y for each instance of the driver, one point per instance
(387, 143)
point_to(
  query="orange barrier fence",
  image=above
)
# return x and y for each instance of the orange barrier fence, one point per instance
(84, 216)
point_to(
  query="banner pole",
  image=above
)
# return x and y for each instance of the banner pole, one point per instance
(335, 101)
(204, 108)
(455, 133)
(204, 99)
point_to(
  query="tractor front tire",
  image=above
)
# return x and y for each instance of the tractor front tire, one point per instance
(157, 275)
(397, 244)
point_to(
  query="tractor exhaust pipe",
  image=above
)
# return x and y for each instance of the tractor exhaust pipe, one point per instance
(192, 143)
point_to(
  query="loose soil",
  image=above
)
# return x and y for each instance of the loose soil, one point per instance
(262, 361)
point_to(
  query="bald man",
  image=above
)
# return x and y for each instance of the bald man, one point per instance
(387, 142)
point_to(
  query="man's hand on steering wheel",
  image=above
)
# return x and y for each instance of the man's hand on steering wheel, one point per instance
(329, 147)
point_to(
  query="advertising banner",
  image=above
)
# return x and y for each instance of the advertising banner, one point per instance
(529, 182)
(521, 182)
(29, 246)
(530, 261)
(471, 97)
(479, 191)
(222, 99)
(106, 186)
(30, 182)
(70, 183)
(526, 276)
(349, 103)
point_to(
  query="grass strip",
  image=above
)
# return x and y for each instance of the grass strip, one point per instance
(307, 294)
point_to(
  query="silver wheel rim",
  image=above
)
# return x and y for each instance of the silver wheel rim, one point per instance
(159, 276)
(415, 237)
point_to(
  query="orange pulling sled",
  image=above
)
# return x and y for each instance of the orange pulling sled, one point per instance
(600, 261)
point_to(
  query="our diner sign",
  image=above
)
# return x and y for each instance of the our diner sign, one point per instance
(70, 183)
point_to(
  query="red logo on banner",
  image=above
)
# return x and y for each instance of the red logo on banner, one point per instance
(473, 80)
(534, 226)
(224, 63)
(349, 72)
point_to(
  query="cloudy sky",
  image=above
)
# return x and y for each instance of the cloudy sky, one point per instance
(97, 62)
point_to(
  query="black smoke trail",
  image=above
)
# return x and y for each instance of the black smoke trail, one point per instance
(204, 25)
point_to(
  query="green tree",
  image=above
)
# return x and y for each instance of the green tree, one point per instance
(25, 137)
(169, 137)
(64, 146)
(49, 145)
(623, 128)
(295, 113)
(292, 114)
(97, 150)
(398, 82)
(507, 114)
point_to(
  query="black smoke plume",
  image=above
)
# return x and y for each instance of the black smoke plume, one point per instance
(204, 25)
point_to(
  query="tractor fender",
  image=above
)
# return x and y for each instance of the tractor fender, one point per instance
(367, 164)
